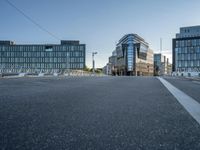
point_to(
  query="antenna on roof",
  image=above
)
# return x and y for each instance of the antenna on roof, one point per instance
(161, 45)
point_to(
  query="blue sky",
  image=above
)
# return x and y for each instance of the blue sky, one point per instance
(98, 23)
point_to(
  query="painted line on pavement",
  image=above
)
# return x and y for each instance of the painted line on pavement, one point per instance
(190, 104)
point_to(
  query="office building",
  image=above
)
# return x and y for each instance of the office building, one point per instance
(161, 65)
(133, 56)
(186, 51)
(113, 63)
(42, 58)
(107, 69)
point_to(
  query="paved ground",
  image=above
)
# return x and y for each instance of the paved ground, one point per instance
(94, 113)
(187, 85)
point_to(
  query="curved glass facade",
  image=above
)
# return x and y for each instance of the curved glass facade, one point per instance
(130, 53)
(132, 56)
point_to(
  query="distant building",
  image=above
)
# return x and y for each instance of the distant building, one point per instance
(110, 67)
(186, 51)
(113, 63)
(161, 65)
(133, 56)
(107, 69)
(42, 58)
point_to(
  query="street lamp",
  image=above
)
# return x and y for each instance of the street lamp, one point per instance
(93, 62)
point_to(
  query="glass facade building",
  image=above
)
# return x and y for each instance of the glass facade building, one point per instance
(186, 50)
(45, 58)
(134, 56)
(161, 65)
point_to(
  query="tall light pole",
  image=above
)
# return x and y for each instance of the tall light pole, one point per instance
(93, 62)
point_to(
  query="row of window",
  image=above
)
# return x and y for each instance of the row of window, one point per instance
(183, 69)
(42, 54)
(188, 43)
(188, 50)
(188, 56)
(43, 66)
(188, 63)
(39, 60)
(41, 48)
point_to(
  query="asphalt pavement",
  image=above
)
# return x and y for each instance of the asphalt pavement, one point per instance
(189, 86)
(95, 113)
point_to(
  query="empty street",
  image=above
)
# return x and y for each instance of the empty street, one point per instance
(105, 113)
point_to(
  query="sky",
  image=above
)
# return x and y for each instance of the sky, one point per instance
(98, 23)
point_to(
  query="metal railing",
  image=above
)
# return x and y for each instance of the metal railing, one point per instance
(22, 71)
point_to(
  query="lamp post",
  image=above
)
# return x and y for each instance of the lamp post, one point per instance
(93, 62)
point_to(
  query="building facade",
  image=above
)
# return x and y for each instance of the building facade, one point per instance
(113, 63)
(107, 69)
(133, 56)
(161, 65)
(186, 50)
(42, 58)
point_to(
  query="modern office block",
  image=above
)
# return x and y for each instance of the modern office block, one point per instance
(133, 56)
(161, 65)
(42, 58)
(111, 66)
(186, 50)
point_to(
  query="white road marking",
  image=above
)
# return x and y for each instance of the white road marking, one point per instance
(190, 104)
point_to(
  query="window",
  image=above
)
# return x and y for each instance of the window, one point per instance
(48, 48)
(194, 42)
(198, 63)
(188, 56)
(185, 63)
(195, 56)
(177, 43)
(182, 56)
(192, 63)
